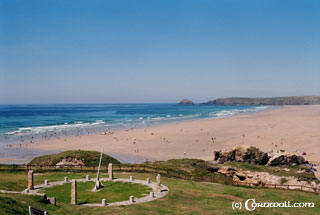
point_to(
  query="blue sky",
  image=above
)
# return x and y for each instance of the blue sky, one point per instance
(112, 51)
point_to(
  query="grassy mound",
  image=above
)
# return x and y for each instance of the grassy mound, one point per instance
(112, 191)
(89, 158)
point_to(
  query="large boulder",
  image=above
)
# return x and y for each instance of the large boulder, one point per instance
(277, 159)
(242, 153)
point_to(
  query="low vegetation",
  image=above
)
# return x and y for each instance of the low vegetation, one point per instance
(195, 169)
(88, 158)
(185, 197)
(199, 168)
(10, 206)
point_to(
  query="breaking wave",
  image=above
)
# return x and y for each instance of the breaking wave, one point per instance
(232, 112)
(56, 128)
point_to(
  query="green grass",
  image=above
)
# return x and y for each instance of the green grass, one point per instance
(11, 206)
(89, 158)
(284, 180)
(185, 198)
(112, 192)
(199, 168)
(192, 168)
(11, 180)
(17, 180)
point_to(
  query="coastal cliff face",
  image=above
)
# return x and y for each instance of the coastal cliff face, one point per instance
(291, 100)
(185, 102)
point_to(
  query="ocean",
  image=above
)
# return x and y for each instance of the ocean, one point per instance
(29, 123)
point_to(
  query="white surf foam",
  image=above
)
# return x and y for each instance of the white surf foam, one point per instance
(56, 128)
(232, 112)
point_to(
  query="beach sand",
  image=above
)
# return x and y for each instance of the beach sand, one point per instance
(291, 128)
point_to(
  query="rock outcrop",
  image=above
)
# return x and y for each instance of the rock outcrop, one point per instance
(265, 179)
(284, 158)
(252, 155)
(243, 153)
(70, 161)
(186, 102)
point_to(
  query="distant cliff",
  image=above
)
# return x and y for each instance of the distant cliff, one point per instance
(185, 102)
(290, 100)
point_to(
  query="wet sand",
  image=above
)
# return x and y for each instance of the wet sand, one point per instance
(291, 128)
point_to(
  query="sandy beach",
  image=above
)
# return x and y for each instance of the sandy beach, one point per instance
(291, 128)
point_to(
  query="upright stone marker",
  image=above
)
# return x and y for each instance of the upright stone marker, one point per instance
(131, 199)
(30, 180)
(110, 171)
(148, 180)
(74, 192)
(88, 177)
(44, 199)
(104, 202)
(131, 178)
(159, 183)
(66, 179)
(46, 182)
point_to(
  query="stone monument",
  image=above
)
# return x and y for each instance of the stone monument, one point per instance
(30, 180)
(110, 171)
(104, 202)
(74, 192)
(159, 183)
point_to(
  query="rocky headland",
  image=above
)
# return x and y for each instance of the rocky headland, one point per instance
(289, 100)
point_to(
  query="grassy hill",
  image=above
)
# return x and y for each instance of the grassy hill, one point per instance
(88, 158)
(289, 100)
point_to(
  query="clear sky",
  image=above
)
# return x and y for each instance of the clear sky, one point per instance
(110, 51)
